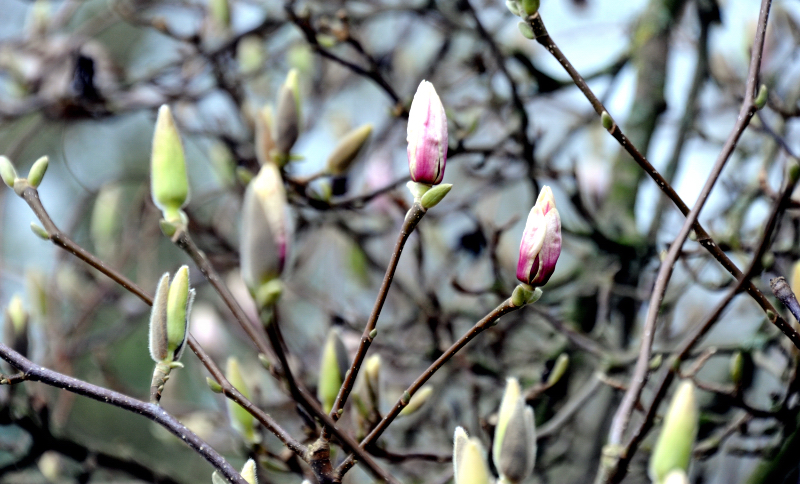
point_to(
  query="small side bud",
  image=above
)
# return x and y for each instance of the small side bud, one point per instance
(16, 325)
(417, 400)
(435, 195)
(673, 450)
(348, 148)
(7, 171)
(793, 170)
(39, 231)
(761, 98)
(249, 472)
(264, 360)
(530, 7)
(607, 121)
(514, 7)
(373, 334)
(37, 171)
(526, 30)
(559, 368)
(241, 420)
(334, 365)
(524, 294)
(213, 385)
(737, 368)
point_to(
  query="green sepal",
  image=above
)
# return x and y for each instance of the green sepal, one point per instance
(37, 171)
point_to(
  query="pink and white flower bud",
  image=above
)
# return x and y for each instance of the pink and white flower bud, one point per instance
(541, 241)
(427, 136)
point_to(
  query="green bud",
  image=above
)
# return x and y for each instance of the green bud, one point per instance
(40, 231)
(268, 293)
(241, 419)
(7, 171)
(169, 182)
(559, 368)
(213, 385)
(17, 314)
(514, 7)
(655, 362)
(530, 7)
(673, 449)
(287, 119)
(220, 12)
(106, 220)
(771, 315)
(373, 334)
(372, 376)
(249, 472)
(264, 360)
(250, 54)
(37, 171)
(526, 30)
(417, 189)
(333, 367)
(761, 97)
(417, 400)
(514, 446)
(469, 461)
(737, 368)
(435, 195)
(159, 347)
(348, 149)
(524, 294)
(179, 305)
(607, 120)
(793, 169)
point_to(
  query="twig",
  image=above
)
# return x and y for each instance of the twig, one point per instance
(622, 416)
(155, 413)
(488, 321)
(703, 238)
(413, 217)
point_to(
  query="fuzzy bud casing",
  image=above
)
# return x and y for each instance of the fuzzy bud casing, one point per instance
(469, 461)
(673, 450)
(287, 116)
(169, 182)
(514, 448)
(333, 366)
(348, 149)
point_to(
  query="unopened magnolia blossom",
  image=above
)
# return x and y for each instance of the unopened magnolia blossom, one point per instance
(427, 136)
(541, 241)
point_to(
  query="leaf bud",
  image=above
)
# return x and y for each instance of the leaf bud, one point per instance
(526, 30)
(241, 420)
(213, 385)
(348, 149)
(559, 368)
(287, 118)
(432, 197)
(418, 399)
(39, 231)
(37, 171)
(761, 98)
(249, 472)
(334, 365)
(7, 171)
(673, 449)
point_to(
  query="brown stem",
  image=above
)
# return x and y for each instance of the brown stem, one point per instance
(152, 411)
(488, 321)
(413, 217)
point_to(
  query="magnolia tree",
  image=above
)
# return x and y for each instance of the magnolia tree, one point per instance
(343, 329)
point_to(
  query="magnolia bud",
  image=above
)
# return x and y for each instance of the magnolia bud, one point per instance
(249, 472)
(287, 119)
(427, 136)
(7, 171)
(16, 325)
(169, 183)
(348, 149)
(241, 419)
(541, 241)
(179, 305)
(530, 7)
(159, 346)
(372, 375)
(514, 448)
(333, 366)
(264, 240)
(559, 368)
(265, 143)
(37, 171)
(469, 462)
(673, 449)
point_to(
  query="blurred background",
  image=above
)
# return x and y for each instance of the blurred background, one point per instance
(81, 81)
